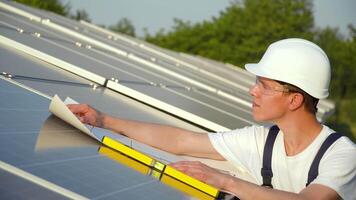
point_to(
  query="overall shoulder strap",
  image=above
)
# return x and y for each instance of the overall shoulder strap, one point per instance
(266, 170)
(314, 168)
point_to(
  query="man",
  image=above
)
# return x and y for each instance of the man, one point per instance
(291, 76)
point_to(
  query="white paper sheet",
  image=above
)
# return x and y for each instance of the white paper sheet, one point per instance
(59, 108)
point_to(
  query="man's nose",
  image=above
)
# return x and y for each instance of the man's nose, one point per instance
(253, 90)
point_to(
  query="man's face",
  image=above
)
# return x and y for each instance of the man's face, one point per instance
(269, 100)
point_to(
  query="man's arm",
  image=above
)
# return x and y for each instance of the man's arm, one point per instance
(170, 139)
(247, 190)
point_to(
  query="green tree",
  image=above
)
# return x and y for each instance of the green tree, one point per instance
(341, 53)
(81, 15)
(242, 32)
(125, 26)
(50, 5)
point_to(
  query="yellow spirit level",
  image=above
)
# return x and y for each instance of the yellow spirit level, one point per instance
(165, 169)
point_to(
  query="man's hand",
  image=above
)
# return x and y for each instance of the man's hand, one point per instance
(87, 114)
(203, 173)
(246, 190)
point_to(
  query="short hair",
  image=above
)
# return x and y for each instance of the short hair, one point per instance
(310, 102)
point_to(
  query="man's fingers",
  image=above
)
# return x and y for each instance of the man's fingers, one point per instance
(75, 108)
(187, 163)
(188, 166)
(78, 108)
(82, 119)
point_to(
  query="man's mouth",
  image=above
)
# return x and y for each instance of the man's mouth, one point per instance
(254, 104)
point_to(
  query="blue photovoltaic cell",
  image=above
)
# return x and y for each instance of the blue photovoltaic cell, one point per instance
(79, 168)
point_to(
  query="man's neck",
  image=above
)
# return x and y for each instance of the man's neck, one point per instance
(299, 132)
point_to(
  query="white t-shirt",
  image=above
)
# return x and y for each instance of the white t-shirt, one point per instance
(337, 169)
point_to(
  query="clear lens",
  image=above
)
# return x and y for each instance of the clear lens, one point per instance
(268, 89)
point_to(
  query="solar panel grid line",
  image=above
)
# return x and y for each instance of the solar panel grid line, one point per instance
(199, 69)
(238, 69)
(205, 72)
(228, 95)
(55, 61)
(11, 26)
(172, 73)
(57, 161)
(216, 108)
(243, 88)
(44, 14)
(123, 190)
(26, 87)
(39, 181)
(83, 37)
(164, 106)
(217, 99)
(20, 12)
(114, 35)
(239, 80)
(232, 97)
(23, 8)
(168, 79)
(131, 65)
(237, 83)
(99, 61)
(128, 49)
(109, 33)
(199, 77)
(61, 37)
(240, 108)
(221, 69)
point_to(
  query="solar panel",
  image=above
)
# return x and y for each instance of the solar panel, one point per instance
(77, 167)
(14, 187)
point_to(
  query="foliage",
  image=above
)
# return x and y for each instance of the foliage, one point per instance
(51, 5)
(242, 32)
(80, 15)
(125, 26)
(341, 53)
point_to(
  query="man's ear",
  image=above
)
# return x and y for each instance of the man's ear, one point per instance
(296, 101)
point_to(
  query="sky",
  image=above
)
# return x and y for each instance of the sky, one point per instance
(159, 14)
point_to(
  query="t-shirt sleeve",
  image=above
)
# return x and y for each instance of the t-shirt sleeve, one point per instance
(337, 170)
(241, 147)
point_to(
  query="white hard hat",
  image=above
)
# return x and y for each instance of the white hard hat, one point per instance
(298, 62)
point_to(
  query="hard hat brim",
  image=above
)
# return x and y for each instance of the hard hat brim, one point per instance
(255, 69)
